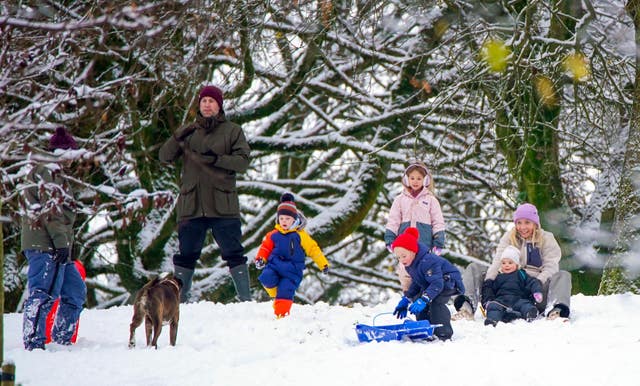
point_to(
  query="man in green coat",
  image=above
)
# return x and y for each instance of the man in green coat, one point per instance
(213, 151)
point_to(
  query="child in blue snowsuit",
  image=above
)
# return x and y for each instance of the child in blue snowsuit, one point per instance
(46, 241)
(433, 281)
(282, 256)
(509, 296)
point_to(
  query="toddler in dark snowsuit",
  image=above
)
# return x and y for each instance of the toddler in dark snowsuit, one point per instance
(509, 296)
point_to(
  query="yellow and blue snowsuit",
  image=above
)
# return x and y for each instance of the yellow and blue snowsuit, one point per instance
(285, 252)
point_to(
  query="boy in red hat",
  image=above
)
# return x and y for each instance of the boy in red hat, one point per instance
(433, 281)
(282, 256)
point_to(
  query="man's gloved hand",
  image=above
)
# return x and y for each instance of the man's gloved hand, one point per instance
(419, 305)
(60, 255)
(210, 157)
(260, 263)
(184, 132)
(325, 270)
(401, 309)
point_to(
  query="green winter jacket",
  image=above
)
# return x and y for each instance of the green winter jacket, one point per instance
(49, 216)
(212, 155)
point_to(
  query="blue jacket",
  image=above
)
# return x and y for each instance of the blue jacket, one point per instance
(431, 274)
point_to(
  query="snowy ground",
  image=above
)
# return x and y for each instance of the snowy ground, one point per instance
(243, 344)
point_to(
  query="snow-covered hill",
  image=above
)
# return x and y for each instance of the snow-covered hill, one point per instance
(243, 344)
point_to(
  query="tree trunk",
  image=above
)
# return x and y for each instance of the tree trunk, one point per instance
(531, 150)
(617, 276)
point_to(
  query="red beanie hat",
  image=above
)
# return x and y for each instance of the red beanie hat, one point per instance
(213, 92)
(408, 240)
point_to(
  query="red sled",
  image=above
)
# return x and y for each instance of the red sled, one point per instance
(54, 309)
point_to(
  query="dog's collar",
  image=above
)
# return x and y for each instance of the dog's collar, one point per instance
(172, 282)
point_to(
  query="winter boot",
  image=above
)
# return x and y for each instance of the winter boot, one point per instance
(186, 276)
(464, 307)
(490, 322)
(554, 313)
(281, 307)
(531, 315)
(240, 276)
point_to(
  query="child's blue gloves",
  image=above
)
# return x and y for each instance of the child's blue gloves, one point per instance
(419, 305)
(401, 309)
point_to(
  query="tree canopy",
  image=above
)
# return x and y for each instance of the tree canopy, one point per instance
(505, 101)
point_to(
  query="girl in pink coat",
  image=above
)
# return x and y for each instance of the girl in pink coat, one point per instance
(416, 206)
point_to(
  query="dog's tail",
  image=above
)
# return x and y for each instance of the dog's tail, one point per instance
(144, 293)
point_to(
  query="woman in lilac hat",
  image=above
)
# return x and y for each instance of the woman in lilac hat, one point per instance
(540, 258)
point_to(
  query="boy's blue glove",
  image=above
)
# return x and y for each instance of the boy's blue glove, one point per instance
(401, 309)
(419, 305)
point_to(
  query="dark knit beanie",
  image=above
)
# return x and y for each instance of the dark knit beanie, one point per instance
(213, 92)
(287, 206)
(408, 240)
(61, 139)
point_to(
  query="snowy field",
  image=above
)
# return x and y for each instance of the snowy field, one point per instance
(243, 344)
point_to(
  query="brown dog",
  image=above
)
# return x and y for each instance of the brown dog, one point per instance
(157, 302)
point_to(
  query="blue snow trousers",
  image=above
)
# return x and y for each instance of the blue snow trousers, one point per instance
(47, 280)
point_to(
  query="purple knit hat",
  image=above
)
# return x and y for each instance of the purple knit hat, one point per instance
(213, 92)
(61, 139)
(527, 212)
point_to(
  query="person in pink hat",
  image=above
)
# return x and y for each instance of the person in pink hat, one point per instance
(540, 258)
